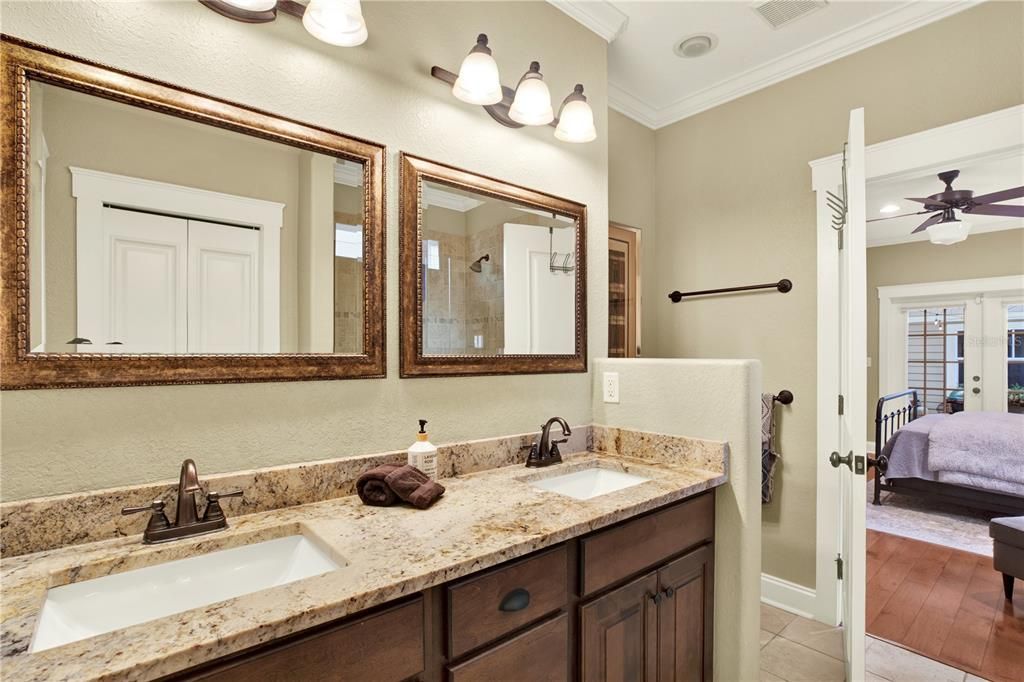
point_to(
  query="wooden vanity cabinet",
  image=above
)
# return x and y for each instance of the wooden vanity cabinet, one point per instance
(629, 603)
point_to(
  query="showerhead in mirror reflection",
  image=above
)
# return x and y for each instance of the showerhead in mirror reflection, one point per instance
(494, 275)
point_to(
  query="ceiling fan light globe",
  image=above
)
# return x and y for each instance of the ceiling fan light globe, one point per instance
(948, 232)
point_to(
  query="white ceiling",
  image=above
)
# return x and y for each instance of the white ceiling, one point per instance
(982, 176)
(649, 83)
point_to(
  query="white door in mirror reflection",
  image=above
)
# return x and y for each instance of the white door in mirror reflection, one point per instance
(539, 301)
(168, 285)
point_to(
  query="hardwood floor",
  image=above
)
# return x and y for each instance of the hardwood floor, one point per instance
(946, 604)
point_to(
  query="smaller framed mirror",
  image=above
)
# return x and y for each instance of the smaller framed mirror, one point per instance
(493, 276)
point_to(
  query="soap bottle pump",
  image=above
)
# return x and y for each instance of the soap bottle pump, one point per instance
(422, 453)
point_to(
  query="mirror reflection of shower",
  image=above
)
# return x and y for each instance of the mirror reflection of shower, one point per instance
(477, 265)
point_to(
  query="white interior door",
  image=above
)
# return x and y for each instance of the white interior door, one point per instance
(132, 284)
(539, 304)
(850, 457)
(223, 290)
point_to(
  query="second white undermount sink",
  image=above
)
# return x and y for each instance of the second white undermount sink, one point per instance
(589, 483)
(92, 607)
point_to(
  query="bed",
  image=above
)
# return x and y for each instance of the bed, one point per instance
(973, 459)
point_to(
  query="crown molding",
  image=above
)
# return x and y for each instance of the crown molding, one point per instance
(348, 173)
(600, 16)
(432, 196)
(896, 22)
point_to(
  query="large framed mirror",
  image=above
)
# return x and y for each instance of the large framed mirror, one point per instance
(154, 235)
(493, 276)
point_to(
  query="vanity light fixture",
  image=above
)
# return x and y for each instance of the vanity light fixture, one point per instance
(528, 105)
(575, 118)
(336, 22)
(478, 81)
(532, 103)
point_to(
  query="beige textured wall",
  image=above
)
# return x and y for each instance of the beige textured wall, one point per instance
(991, 254)
(726, 408)
(735, 206)
(60, 441)
(631, 191)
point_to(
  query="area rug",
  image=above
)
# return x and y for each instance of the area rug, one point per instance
(928, 521)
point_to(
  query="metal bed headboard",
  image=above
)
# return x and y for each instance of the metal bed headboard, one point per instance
(888, 423)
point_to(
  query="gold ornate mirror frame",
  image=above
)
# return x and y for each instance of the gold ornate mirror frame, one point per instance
(414, 171)
(22, 62)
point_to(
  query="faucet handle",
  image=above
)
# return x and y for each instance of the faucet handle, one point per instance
(213, 511)
(158, 519)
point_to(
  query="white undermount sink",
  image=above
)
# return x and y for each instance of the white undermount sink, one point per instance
(93, 607)
(588, 483)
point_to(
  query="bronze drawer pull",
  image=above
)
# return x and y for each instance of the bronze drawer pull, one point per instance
(516, 600)
(654, 597)
(669, 592)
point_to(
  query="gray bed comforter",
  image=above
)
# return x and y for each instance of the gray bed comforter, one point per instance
(989, 444)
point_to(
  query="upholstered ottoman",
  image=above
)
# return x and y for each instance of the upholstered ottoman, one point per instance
(1008, 549)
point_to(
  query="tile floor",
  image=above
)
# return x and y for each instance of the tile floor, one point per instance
(795, 649)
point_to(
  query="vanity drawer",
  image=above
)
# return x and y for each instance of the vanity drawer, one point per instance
(541, 654)
(481, 609)
(612, 555)
(384, 647)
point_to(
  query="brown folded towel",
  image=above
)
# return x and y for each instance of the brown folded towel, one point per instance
(373, 488)
(414, 486)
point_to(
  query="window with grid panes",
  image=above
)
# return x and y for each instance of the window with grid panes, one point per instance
(935, 357)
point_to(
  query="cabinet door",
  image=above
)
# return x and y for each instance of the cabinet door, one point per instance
(685, 617)
(618, 633)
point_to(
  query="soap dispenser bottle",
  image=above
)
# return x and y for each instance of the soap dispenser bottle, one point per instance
(422, 453)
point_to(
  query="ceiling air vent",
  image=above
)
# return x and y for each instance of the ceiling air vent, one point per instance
(778, 13)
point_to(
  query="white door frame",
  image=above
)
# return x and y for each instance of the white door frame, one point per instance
(92, 189)
(928, 151)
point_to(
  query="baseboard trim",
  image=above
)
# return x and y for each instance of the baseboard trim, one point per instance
(788, 596)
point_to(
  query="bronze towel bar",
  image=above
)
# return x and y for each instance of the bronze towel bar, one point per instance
(784, 286)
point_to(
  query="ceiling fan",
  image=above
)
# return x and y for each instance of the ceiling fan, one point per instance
(943, 226)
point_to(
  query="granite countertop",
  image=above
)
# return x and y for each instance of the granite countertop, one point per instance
(484, 519)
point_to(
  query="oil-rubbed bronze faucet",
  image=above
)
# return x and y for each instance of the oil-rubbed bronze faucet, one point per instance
(545, 453)
(187, 522)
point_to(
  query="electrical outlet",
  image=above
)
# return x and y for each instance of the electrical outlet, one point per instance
(610, 382)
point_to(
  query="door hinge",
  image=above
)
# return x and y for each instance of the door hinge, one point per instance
(840, 403)
(839, 567)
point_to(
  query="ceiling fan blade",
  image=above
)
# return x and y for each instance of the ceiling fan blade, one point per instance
(993, 209)
(996, 197)
(928, 223)
(929, 202)
(890, 217)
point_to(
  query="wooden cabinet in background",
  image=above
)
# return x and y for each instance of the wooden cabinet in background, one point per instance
(541, 654)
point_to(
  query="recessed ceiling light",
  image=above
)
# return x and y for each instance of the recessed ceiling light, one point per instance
(889, 208)
(696, 45)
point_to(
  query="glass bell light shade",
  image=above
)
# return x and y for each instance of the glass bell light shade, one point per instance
(532, 103)
(949, 231)
(478, 81)
(337, 22)
(576, 119)
(252, 5)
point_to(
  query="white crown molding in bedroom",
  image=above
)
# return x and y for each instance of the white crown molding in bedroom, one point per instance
(600, 16)
(859, 37)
